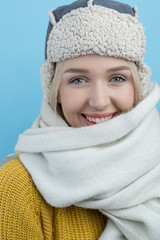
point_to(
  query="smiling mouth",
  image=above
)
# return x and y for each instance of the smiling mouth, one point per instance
(96, 120)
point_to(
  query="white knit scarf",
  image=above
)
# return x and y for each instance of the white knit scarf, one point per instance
(112, 166)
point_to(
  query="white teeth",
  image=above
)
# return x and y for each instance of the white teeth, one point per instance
(99, 120)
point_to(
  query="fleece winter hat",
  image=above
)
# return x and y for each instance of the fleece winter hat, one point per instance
(103, 27)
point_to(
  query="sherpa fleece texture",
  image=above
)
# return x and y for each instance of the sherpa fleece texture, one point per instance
(101, 27)
(61, 11)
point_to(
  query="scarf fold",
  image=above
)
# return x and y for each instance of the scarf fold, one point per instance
(112, 166)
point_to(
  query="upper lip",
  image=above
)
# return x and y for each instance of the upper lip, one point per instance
(102, 115)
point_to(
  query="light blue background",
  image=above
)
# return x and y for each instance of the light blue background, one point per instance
(23, 26)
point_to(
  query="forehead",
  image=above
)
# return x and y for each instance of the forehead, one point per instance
(94, 60)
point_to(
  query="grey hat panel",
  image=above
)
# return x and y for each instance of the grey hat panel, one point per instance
(49, 29)
(118, 6)
(61, 11)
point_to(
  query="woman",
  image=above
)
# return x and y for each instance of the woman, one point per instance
(89, 166)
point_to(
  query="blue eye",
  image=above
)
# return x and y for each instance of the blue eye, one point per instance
(117, 79)
(77, 80)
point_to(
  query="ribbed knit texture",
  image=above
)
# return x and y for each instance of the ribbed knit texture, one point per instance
(77, 223)
(25, 215)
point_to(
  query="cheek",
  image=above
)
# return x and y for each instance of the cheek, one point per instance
(71, 101)
(125, 99)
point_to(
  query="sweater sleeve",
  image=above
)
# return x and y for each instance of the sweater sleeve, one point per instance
(20, 204)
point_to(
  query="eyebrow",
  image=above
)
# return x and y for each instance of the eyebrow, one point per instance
(120, 68)
(76, 70)
(81, 70)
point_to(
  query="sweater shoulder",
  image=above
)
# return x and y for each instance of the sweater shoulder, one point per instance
(20, 203)
(14, 176)
(16, 184)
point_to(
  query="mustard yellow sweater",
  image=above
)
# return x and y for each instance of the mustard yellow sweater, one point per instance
(25, 215)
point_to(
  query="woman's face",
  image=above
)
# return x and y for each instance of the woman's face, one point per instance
(95, 89)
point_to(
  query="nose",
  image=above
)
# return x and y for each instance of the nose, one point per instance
(99, 97)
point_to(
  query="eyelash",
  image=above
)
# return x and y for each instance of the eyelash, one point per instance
(122, 79)
(74, 80)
